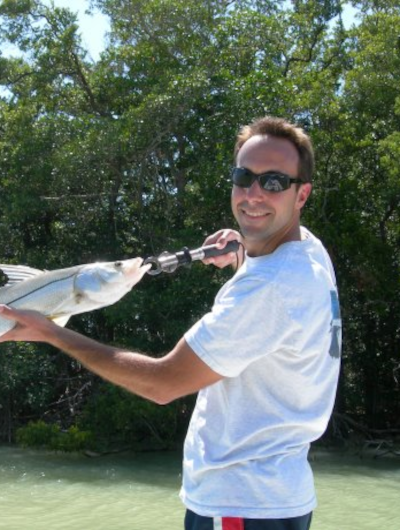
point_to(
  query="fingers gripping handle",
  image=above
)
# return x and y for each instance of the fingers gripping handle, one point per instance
(211, 251)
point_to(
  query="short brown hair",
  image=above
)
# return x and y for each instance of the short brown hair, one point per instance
(280, 128)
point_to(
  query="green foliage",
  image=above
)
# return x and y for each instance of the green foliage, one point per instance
(26, 385)
(50, 436)
(118, 419)
(130, 155)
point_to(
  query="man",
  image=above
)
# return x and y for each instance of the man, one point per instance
(265, 359)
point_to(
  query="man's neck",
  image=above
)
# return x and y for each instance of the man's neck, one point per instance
(263, 248)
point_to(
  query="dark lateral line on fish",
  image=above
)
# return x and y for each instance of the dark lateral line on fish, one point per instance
(38, 288)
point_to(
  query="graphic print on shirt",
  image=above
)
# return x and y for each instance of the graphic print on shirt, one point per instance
(336, 327)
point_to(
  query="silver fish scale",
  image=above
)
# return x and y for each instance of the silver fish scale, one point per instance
(44, 294)
(47, 297)
(62, 293)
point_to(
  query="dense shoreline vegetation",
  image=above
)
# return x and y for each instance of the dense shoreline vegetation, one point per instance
(129, 156)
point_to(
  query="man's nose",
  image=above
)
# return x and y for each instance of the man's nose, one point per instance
(255, 190)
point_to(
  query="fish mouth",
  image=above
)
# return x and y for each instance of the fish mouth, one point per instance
(135, 270)
(132, 265)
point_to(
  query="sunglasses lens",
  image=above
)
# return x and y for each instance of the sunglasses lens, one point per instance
(271, 181)
(274, 182)
(241, 177)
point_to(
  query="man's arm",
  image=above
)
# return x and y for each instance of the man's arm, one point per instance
(161, 380)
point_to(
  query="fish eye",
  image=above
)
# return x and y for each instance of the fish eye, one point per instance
(118, 264)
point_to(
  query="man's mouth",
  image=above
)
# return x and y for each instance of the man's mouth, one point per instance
(255, 214)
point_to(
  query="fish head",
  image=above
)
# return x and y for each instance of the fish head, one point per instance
(105, 283)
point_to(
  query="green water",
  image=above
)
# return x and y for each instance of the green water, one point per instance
(46, 491)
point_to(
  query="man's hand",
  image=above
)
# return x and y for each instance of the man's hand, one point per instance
(31, 326)
(221, 238)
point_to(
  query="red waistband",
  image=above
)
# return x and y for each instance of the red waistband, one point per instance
(232, 523)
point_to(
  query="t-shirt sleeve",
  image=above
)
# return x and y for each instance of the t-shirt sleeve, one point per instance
(248, 321)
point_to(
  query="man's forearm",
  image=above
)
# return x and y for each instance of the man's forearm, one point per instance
(179, 373)
(135, 372)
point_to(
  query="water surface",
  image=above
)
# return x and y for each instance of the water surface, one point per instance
(41, 490)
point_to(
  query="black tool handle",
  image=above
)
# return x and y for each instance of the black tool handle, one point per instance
(212, 250)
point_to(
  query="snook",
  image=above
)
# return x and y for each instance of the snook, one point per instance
(61, 293)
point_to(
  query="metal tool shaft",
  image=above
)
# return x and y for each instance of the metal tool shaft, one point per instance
(168, 262)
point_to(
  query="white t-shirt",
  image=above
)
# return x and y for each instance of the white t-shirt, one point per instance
(274, 333)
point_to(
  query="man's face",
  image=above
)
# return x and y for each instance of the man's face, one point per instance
(268, 219)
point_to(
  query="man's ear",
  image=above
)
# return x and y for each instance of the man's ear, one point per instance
(303, 194)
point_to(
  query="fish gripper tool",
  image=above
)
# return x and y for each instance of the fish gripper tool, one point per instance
(169, 262)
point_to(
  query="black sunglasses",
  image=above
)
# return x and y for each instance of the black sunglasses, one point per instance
(271, 181)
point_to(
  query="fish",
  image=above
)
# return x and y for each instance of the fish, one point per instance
(58, 294)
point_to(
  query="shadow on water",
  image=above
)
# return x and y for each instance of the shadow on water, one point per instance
(346, 462)
(163, 468)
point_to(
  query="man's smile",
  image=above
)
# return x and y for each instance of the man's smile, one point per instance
(254, 213)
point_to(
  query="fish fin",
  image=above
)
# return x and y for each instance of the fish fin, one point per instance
(60, 320)
(10, 274)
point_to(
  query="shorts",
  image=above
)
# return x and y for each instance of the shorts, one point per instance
(198, 522)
